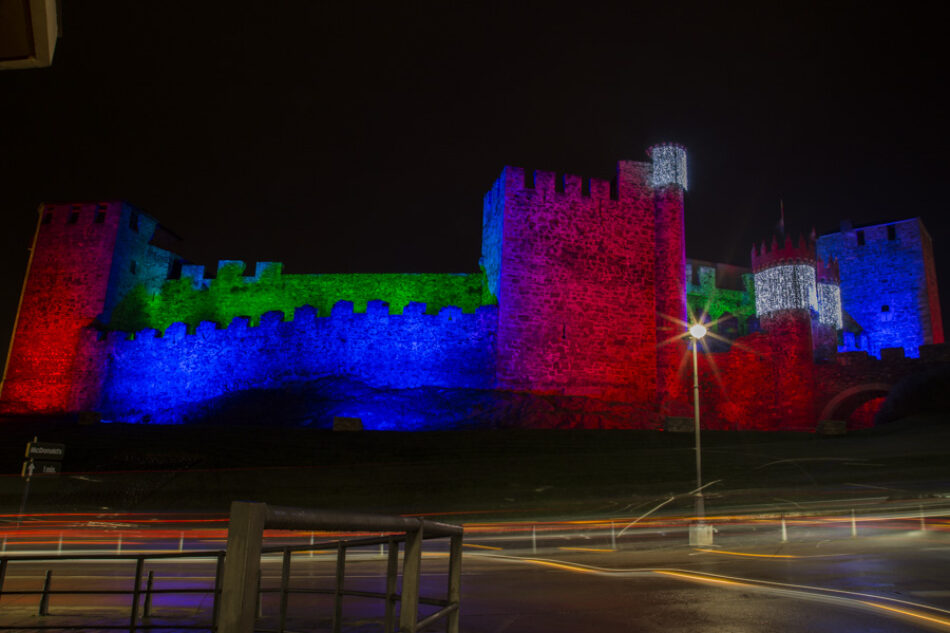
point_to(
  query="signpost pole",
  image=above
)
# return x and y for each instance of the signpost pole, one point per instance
(36, 450)
(26, 492)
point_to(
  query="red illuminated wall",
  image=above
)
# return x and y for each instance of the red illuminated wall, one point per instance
(67, 281)
(670, 298)
(930, 280)
(576, 284)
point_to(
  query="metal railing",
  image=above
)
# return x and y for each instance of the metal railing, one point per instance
(136, 592)
(241, 584)
(236, 591)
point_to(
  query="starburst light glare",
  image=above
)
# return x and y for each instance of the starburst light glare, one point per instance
(697, 331)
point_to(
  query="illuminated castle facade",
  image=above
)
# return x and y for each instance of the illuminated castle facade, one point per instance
(581, 302)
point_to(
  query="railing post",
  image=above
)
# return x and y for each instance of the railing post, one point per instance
(392, 575)
(147, 609)
(455, 582)
(260, 596)
(3, 573)
(44, 599)
(216, 596)
(136, 593)
(411, 567)
(245, 536)
(284, 586)
(340, 578)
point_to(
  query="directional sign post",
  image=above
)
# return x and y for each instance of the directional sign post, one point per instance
(42, 459)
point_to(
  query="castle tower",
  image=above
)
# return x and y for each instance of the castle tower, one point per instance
(572, 262)
(888, 283)
(829, 321)
(786, 297)
(82, 259)
(669, 185)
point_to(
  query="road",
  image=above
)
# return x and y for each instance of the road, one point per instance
(883, 582)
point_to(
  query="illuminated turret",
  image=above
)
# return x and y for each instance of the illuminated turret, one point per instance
(829, 322)
(785, 278)
(786, 302)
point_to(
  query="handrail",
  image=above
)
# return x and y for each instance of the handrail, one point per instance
(245, 545)
(236, 578)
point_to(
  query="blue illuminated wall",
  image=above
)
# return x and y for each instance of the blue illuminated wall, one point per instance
(888, 286)
(161, 379)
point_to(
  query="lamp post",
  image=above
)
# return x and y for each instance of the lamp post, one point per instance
(699, 533)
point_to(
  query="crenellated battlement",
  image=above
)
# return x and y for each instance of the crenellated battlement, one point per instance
(548, 184)
(79, 214)
(306, 315)
(788, 252)
(828, 272)
(200, 280)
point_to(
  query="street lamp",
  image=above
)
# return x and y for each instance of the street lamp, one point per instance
(699, 533)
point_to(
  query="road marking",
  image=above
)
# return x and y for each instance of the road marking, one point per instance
(491, 547)
(726, 552)
(588, 549)
(913, 614)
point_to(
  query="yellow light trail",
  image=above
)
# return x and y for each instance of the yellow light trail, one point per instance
(790, 589)
(587, 549)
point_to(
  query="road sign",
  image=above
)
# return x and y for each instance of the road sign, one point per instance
(33, 468)
(45, 451)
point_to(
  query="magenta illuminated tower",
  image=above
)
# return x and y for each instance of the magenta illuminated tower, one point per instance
(669, 184)
(573, 262)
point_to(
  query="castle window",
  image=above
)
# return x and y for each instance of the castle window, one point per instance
(585, 187)
(529, 178)
(74, 217)
(100, 217)
(614, 189)
(559, 183)
(132, 267)
(860, 238)
(47, 218)
(134, 221)
(891, 232)
(175, 271)
(885, 308)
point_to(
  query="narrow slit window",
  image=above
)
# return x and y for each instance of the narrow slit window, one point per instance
(891, 232)
(860, 238)
(559, 183)
(100, 217)
(529, 178)
(585, 187)
(134, 221)
(74, 217)
(614, 189)
(47, 218)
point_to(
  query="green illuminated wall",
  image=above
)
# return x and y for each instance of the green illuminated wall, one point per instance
(704, 297)
(231, 294)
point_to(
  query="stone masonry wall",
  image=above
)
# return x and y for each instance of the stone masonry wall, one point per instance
(884, 283)
(153, 374)
(576, 285)
(63, 295)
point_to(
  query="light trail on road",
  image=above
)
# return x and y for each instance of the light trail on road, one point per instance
(853, 599)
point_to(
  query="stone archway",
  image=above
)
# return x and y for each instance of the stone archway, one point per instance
(852, 398)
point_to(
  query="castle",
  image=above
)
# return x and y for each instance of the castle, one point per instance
(583, 296)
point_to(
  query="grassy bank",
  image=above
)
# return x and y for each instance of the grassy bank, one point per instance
(166, 468)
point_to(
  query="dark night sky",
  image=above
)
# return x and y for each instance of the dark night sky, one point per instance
(362, 138)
